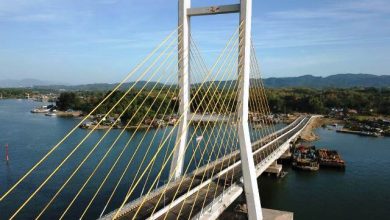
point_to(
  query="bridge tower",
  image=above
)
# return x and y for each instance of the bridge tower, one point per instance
(245, 20)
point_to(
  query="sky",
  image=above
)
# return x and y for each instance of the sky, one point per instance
(100, 41)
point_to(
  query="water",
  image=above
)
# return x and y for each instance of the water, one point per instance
(362, 191)
(31, 136)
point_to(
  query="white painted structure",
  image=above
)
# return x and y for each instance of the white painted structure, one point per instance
(248, 167)
(215, 209)
(252, 194)
(184, 83)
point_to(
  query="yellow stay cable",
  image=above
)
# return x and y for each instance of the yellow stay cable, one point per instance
(123, 173)
(232, 177)
(188, 146)
(87, 116)
(272, 133)
(226, 128)
(163, 135)
(187, 167)
(263, 99)
(201, 69)
(121, 155)
(71, 153)
(262, 86)
(89, 178)
(198, 144)
(264, 131)
(197, 61)
(131, 190)
(107, 152)
(212, 174)
(194, 133)
(257, 105)
(217, 157)
(138, 127)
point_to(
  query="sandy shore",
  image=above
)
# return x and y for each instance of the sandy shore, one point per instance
(308, 133)
(69, 114)
(290, 118)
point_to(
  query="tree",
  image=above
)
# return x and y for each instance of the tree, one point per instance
(68, 100)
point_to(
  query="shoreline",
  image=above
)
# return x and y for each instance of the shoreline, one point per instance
(308, 134)
(106, 127)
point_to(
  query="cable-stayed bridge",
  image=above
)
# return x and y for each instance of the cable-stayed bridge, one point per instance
(194, 197)
(184, 143)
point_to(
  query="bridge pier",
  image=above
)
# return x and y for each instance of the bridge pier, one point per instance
(239, 210)
(274, 168)
(286, 155)
(220, 202)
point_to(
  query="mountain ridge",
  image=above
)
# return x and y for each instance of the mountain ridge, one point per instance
(23, 83)
(346, 80)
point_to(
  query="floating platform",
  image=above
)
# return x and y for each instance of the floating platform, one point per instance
(305, 158)
(330, 158)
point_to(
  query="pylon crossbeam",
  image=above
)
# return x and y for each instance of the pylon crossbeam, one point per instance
(214, 10)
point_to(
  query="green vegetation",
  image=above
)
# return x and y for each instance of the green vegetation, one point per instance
(136, 109)
(68, 100)
(21, 93)
(364, 100)
(17, 93)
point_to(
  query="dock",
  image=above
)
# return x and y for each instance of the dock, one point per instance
(361, 133)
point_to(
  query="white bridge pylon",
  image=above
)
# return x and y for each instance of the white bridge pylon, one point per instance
(248, 167)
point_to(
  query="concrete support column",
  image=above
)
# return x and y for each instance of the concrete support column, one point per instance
(248, 167)
(184, 83)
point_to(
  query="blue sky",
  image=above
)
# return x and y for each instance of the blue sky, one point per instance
(91, 41)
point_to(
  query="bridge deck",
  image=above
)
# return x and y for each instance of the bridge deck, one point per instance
(205, 192)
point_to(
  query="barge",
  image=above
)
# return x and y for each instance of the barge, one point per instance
(305, 158)
(330, 158)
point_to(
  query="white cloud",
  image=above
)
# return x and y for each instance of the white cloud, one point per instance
(340, 23)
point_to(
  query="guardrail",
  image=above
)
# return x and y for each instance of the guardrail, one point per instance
(214, 209)
(234, 190)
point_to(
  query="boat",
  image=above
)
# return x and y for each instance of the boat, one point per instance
(305, 158)
(40, 110)
(306, 165)
(51, 114)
